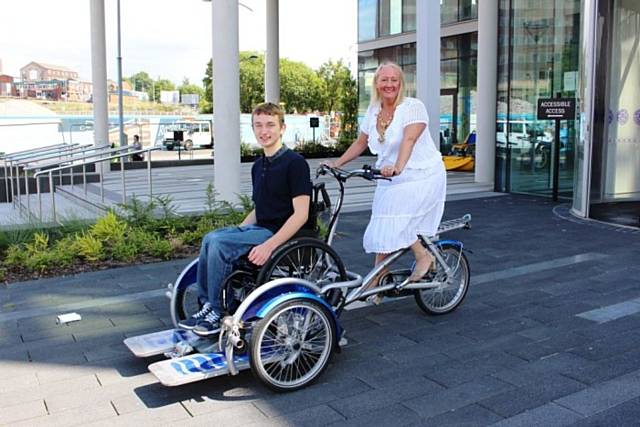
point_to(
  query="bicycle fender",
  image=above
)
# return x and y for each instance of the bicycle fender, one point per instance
(457, 243)
(271, 304)
(266, 308)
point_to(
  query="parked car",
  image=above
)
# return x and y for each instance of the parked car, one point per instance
(188, 135)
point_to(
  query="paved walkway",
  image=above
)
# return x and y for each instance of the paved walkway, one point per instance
(186, 187)
(548, 335)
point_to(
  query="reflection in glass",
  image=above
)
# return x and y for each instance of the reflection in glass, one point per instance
(366, 20)
(538, 47)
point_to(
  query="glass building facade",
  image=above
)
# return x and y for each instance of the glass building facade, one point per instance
(538, 58)
(380, 19)
(586, 50)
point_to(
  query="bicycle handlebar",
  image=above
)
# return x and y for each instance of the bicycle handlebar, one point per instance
(367, 172)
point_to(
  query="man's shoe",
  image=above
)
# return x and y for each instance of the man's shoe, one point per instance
(210, 325)
(192, 321)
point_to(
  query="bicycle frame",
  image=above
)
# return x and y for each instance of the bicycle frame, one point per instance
(360, 288)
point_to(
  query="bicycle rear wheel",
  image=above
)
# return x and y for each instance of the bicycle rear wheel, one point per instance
(454, 286)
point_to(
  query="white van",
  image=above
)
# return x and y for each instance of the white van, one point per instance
(520, 133)
(188, 134)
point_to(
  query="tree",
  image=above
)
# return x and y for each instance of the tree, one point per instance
(141, 81)
(206, 104)
(251, 80)
(348, 105)
(334, 75)
(190, 88)
(301, 90)
(160, 85)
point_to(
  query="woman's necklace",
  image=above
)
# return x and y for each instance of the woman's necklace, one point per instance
(384, 120)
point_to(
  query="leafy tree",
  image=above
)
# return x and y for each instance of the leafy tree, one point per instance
(251, 80)
(141, 81)
(160, 85)
(190, 88)
(334, 75)
(301, 89)
(206, 103)
(348, 105)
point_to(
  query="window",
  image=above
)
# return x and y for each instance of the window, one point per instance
(367, 12)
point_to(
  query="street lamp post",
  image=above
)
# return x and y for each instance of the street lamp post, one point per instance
(120, 112)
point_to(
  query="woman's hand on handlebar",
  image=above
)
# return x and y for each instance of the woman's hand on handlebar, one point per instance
(389, 171)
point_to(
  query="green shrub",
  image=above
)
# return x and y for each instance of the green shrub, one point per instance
(64, 251)
(41, 261)
(109, 229)
(16, 237)
(167, 208)
(89, 247)
(124, 251)
(159, 248)
(140, 239)
(15, 256)
(138, 213)
(40, 243)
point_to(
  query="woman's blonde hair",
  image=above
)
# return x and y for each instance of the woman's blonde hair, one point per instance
(375, 95)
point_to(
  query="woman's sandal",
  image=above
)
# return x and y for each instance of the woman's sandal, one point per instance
(417, 275)
(376, 299)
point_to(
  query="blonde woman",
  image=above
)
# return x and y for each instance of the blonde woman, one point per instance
(412, 203)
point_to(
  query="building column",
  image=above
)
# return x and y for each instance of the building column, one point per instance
(99, 75)
(486, 108)
(226, 99)
(272, 56)
(428, 62)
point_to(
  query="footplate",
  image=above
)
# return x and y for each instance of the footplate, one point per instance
(195, 367)
(159, 342)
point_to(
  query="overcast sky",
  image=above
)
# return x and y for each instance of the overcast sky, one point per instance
(168, 38)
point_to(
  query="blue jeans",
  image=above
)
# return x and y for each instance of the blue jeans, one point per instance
(220, 250)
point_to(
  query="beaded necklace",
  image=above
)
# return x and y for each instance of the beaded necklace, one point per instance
(383, 124)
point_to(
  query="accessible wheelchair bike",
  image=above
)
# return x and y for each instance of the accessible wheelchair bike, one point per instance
(283, 318)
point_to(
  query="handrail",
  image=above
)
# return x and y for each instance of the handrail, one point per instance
(32, 150)
(46, 156)
(59, 154)
(7, 158)
(37, 175)
(71, 159)
(97, 152)
(33, 155)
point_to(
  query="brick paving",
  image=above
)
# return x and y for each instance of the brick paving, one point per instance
(519, 352)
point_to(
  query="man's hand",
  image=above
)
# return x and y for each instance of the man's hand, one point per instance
(261, 253)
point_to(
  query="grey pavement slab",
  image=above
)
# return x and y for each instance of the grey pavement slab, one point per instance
(516, 352)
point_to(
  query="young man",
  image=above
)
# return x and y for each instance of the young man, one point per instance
(281, 194)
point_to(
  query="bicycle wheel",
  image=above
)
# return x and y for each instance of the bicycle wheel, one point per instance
(449, 295)
(186, 302)
(309, 259)
(292, 345)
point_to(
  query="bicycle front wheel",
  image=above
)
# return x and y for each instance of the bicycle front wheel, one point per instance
(292, 345)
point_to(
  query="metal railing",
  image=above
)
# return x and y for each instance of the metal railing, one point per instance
(16, 159)
(89, 160)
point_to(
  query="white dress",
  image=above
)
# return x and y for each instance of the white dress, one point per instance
(413, 202)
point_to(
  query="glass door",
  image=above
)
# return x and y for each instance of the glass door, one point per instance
(448, 119)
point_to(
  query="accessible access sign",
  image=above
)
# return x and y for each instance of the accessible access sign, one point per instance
(556, 108)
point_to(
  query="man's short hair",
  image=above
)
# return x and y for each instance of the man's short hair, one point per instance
(270, 109)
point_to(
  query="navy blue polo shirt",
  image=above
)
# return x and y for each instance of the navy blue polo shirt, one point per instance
(276, 181)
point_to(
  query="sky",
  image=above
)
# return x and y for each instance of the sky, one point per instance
(169, 38)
